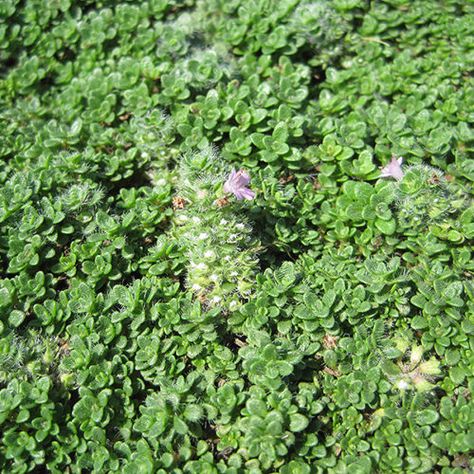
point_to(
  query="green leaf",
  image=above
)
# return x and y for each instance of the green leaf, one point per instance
(16, 317)
(256, 408)
(280, 133)
(386, 227)
(439, 440)
(180, 426)
(427, 417)
(298, 422)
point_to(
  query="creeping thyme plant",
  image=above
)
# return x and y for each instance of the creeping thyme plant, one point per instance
(236, 236)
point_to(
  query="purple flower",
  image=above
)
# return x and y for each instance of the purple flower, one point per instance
(237, 183)
(393, 169)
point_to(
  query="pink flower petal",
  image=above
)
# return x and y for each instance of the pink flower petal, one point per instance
(393, 169)
(237, 183)
(244, 193)
(242, 178)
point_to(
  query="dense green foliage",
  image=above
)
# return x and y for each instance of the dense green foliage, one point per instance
(149, 323)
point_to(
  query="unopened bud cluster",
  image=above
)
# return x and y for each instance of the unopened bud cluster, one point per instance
(424, 196)
(415, 373)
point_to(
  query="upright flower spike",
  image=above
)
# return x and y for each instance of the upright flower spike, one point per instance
(393, 169)
(216, 238)
(237, 184)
